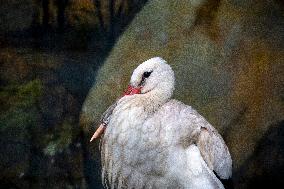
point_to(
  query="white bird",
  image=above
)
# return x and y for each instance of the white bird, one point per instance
(153, 141)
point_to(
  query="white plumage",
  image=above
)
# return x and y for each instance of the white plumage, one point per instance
(153, 141)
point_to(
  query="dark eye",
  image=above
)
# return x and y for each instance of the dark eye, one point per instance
(146, 74)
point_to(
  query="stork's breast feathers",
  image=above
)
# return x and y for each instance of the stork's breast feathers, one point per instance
(146, 140)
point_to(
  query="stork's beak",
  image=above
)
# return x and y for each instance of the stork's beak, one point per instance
(98, 132)
(132, 90)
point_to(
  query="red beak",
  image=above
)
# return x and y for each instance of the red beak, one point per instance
(132, 90)
(98, 132)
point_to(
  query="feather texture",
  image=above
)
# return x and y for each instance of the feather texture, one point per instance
(152, 141)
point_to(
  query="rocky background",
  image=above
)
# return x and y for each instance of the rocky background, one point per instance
(63, 62)
(228, 60)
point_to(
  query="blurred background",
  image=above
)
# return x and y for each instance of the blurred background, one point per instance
(63, 62)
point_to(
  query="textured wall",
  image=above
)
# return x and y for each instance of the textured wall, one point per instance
(228, 60)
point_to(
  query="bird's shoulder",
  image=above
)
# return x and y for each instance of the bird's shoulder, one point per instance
(178, 107)
(182, 113)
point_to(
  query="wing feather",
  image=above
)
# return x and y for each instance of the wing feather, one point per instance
(210, 143)
(215, 152)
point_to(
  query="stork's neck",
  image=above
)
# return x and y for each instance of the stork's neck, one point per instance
(153, 100)
(150, 100)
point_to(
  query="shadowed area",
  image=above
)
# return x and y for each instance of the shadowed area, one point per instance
(264, 169)
(50, 51)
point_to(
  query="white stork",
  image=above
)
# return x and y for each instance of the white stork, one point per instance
(153, 141)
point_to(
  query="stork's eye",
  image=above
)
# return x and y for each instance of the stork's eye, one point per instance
(146, 74)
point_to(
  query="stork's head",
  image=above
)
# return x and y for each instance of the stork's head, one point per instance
(152, 77)
(153, 80)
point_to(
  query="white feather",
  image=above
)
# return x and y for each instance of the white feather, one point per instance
(152, 141)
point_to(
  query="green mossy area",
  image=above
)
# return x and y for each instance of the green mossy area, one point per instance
(228, 61)
(40, 138)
